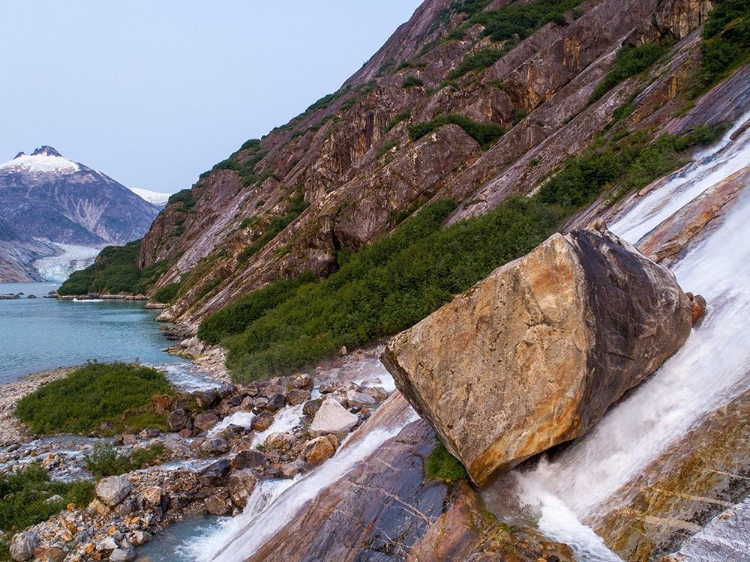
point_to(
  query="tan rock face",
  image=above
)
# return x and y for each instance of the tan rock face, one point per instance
(535, 354)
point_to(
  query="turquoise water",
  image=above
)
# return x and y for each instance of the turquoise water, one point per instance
(39, 334)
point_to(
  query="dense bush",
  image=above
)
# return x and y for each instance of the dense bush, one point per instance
(298, 205)
(478, 61)
(725, 42)
(114, 271)
(629, 62)
(24, 494)
(403, 116)
(91, 395)
(384, 288)
(104, 460)
(167, 294)
(402, 277)
(441, 464)
(412, 82)
(517, 19)
(486, 134)
(185, 197)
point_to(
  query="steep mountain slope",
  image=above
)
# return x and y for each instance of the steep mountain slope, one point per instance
(359, 161)
(47, 199)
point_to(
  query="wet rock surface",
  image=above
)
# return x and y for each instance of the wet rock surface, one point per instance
(535, 354)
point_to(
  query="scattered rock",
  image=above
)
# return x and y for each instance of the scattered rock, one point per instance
(318, 451)
(137, 538)
(215, 474)
(122, 555)
(152, 496)
(178, 420)
(699, 306)
(241, 486)
(332, 417)
(377, 392)
(215, 446)
(295, 468)
(163, 404)
(205, 421)
(311, 408)
(358, 399)
(262, 422)
(113, 489)
(281, 442)
(248, 459)
(297, 396)
(22, 546)
(276, 402)
(217, 505)
(206, 399)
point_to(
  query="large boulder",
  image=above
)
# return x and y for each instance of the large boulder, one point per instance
(332, 417)
(535, 354)
(22, 546)
(241, 485)
(113, 490)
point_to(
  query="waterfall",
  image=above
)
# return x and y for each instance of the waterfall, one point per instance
(705, 374)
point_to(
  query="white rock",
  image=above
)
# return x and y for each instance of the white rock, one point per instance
(113, 490)
(332, 418)
(22, 546)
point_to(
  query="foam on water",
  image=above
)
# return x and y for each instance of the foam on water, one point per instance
(706, 373)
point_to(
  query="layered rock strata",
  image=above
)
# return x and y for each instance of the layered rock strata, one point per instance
(535, 354)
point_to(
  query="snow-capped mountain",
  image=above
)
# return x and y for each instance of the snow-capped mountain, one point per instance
(52, 206)
(153, 197)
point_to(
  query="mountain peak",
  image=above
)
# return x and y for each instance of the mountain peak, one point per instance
(45, 151)
(22, 153)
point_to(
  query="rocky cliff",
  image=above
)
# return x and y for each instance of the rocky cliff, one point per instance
(48, 200)
(388, 141)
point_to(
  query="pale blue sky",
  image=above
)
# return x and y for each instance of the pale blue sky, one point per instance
(153, 93)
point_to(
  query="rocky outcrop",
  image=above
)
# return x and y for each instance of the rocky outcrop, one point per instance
(535, 354)
(700, 476)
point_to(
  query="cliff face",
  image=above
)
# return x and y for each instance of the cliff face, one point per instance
(353, 166)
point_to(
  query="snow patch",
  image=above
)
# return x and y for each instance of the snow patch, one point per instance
(41, 164)
(153, 197)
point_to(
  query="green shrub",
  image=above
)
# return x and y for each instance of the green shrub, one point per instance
(403, 116)
(486, 134)
(441, 464)
(478, 61)
(725, 43)
(185, 197)
(114, 271)
(516, 20)
(412, 82)
(629, 62)
(387, 146)
(104, 460)
(167, 294)
(89, 396)
(24, 494)
(298, 206)
(401, 278)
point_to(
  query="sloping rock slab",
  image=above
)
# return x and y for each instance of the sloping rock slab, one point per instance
(535, 354)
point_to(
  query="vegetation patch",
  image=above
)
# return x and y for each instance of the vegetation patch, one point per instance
(486, 134)
(412, 82)
(91, 395)
(115, 270)
(516, 20)
(25, 495)
(184, 198)
(441, 464)
(401, 278)
(629, 62)
(167, 294)
(725, 44)
(104, 460)
(275, 227)
(478, 61)
(387, 147)
(403, 116)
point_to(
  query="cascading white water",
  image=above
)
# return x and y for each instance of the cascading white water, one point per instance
(706, 373)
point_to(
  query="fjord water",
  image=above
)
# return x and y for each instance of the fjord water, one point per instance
(40, 334)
